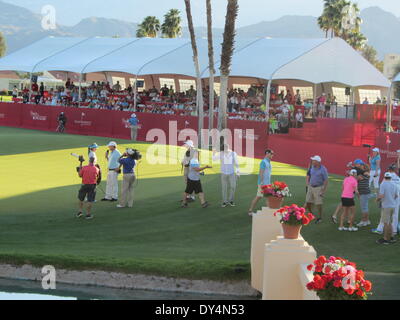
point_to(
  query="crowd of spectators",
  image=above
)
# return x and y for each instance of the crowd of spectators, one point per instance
(242, 105)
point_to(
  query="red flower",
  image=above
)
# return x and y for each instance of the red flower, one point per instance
(327, 269)
(360, 293)
(337, 283)
(350, 291)
(310, 267)
(368, 286)
(305, 220)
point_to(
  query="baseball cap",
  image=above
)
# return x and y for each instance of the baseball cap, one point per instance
(94, 145)
(388, 175)
(353, 172)
(112, 144)
(375, 149)
(130, 151)
(189, 143)
(358, 161)
(316, 158)
(133, 115)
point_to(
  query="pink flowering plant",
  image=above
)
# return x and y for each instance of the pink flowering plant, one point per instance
(277, 189)
(294, 215)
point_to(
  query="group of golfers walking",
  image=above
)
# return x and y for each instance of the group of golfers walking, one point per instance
(361, 181)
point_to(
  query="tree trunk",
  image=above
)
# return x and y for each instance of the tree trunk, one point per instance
(226, 60)
(223, 103)
(199, 99)
(210, 66)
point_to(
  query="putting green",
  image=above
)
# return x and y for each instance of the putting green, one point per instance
(38, 202)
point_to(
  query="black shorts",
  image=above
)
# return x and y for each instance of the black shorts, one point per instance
(88, 190)
(193, 186)
(348, 202)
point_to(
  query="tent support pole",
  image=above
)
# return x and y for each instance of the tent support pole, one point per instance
(268, 99)
(80, 90)
(30, 87)
(389, 109)
(314, 104)
(135, 94)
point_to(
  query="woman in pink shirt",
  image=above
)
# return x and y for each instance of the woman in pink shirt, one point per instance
(349, 191)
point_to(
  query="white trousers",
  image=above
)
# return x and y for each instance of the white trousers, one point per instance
(112, 185)
(374, 180)
(395, 222)
(228, 184)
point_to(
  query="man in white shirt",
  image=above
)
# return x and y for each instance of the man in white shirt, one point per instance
(395, 221)
(299, 119)
(112, 157)
(229, 172)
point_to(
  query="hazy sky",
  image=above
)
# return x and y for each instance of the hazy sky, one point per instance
(71, 12)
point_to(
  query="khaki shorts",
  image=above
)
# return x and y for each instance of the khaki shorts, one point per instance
(314, 195)
(387, 215)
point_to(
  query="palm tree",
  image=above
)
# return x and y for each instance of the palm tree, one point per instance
(327, 20)
(342, 19)
(171, 28)
(199, 100)
(148, 28)
(226, 60)
(3, 46)
(211, 66)
(356, 39)
(323, 23)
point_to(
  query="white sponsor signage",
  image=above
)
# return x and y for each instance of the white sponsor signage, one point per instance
(83, 123)
(37, 116)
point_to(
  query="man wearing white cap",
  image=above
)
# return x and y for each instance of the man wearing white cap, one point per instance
(395, 221)
(186, 162)
(112, 156)
(388, 196)
(375, 164)
(317, 183)
(134, 123)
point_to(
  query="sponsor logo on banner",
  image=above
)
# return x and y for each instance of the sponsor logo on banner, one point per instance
(83, 123)
(38, 117)
(249, 136)
(389, 154)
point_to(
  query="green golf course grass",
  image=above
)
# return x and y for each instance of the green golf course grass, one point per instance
(39, 186)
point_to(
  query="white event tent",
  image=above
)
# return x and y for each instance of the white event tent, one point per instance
(389, 103)
(312, 60)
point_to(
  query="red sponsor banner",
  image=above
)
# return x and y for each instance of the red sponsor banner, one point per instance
(114, 124)
(327, 139)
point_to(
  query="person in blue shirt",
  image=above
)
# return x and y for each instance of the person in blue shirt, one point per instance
(317, 184)
(127, 163)
(375, 164)
(134, 123)
(264, 178)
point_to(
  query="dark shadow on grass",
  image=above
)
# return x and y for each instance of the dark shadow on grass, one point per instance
(36, 140)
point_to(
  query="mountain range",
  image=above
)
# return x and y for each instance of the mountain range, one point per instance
(22, 27)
